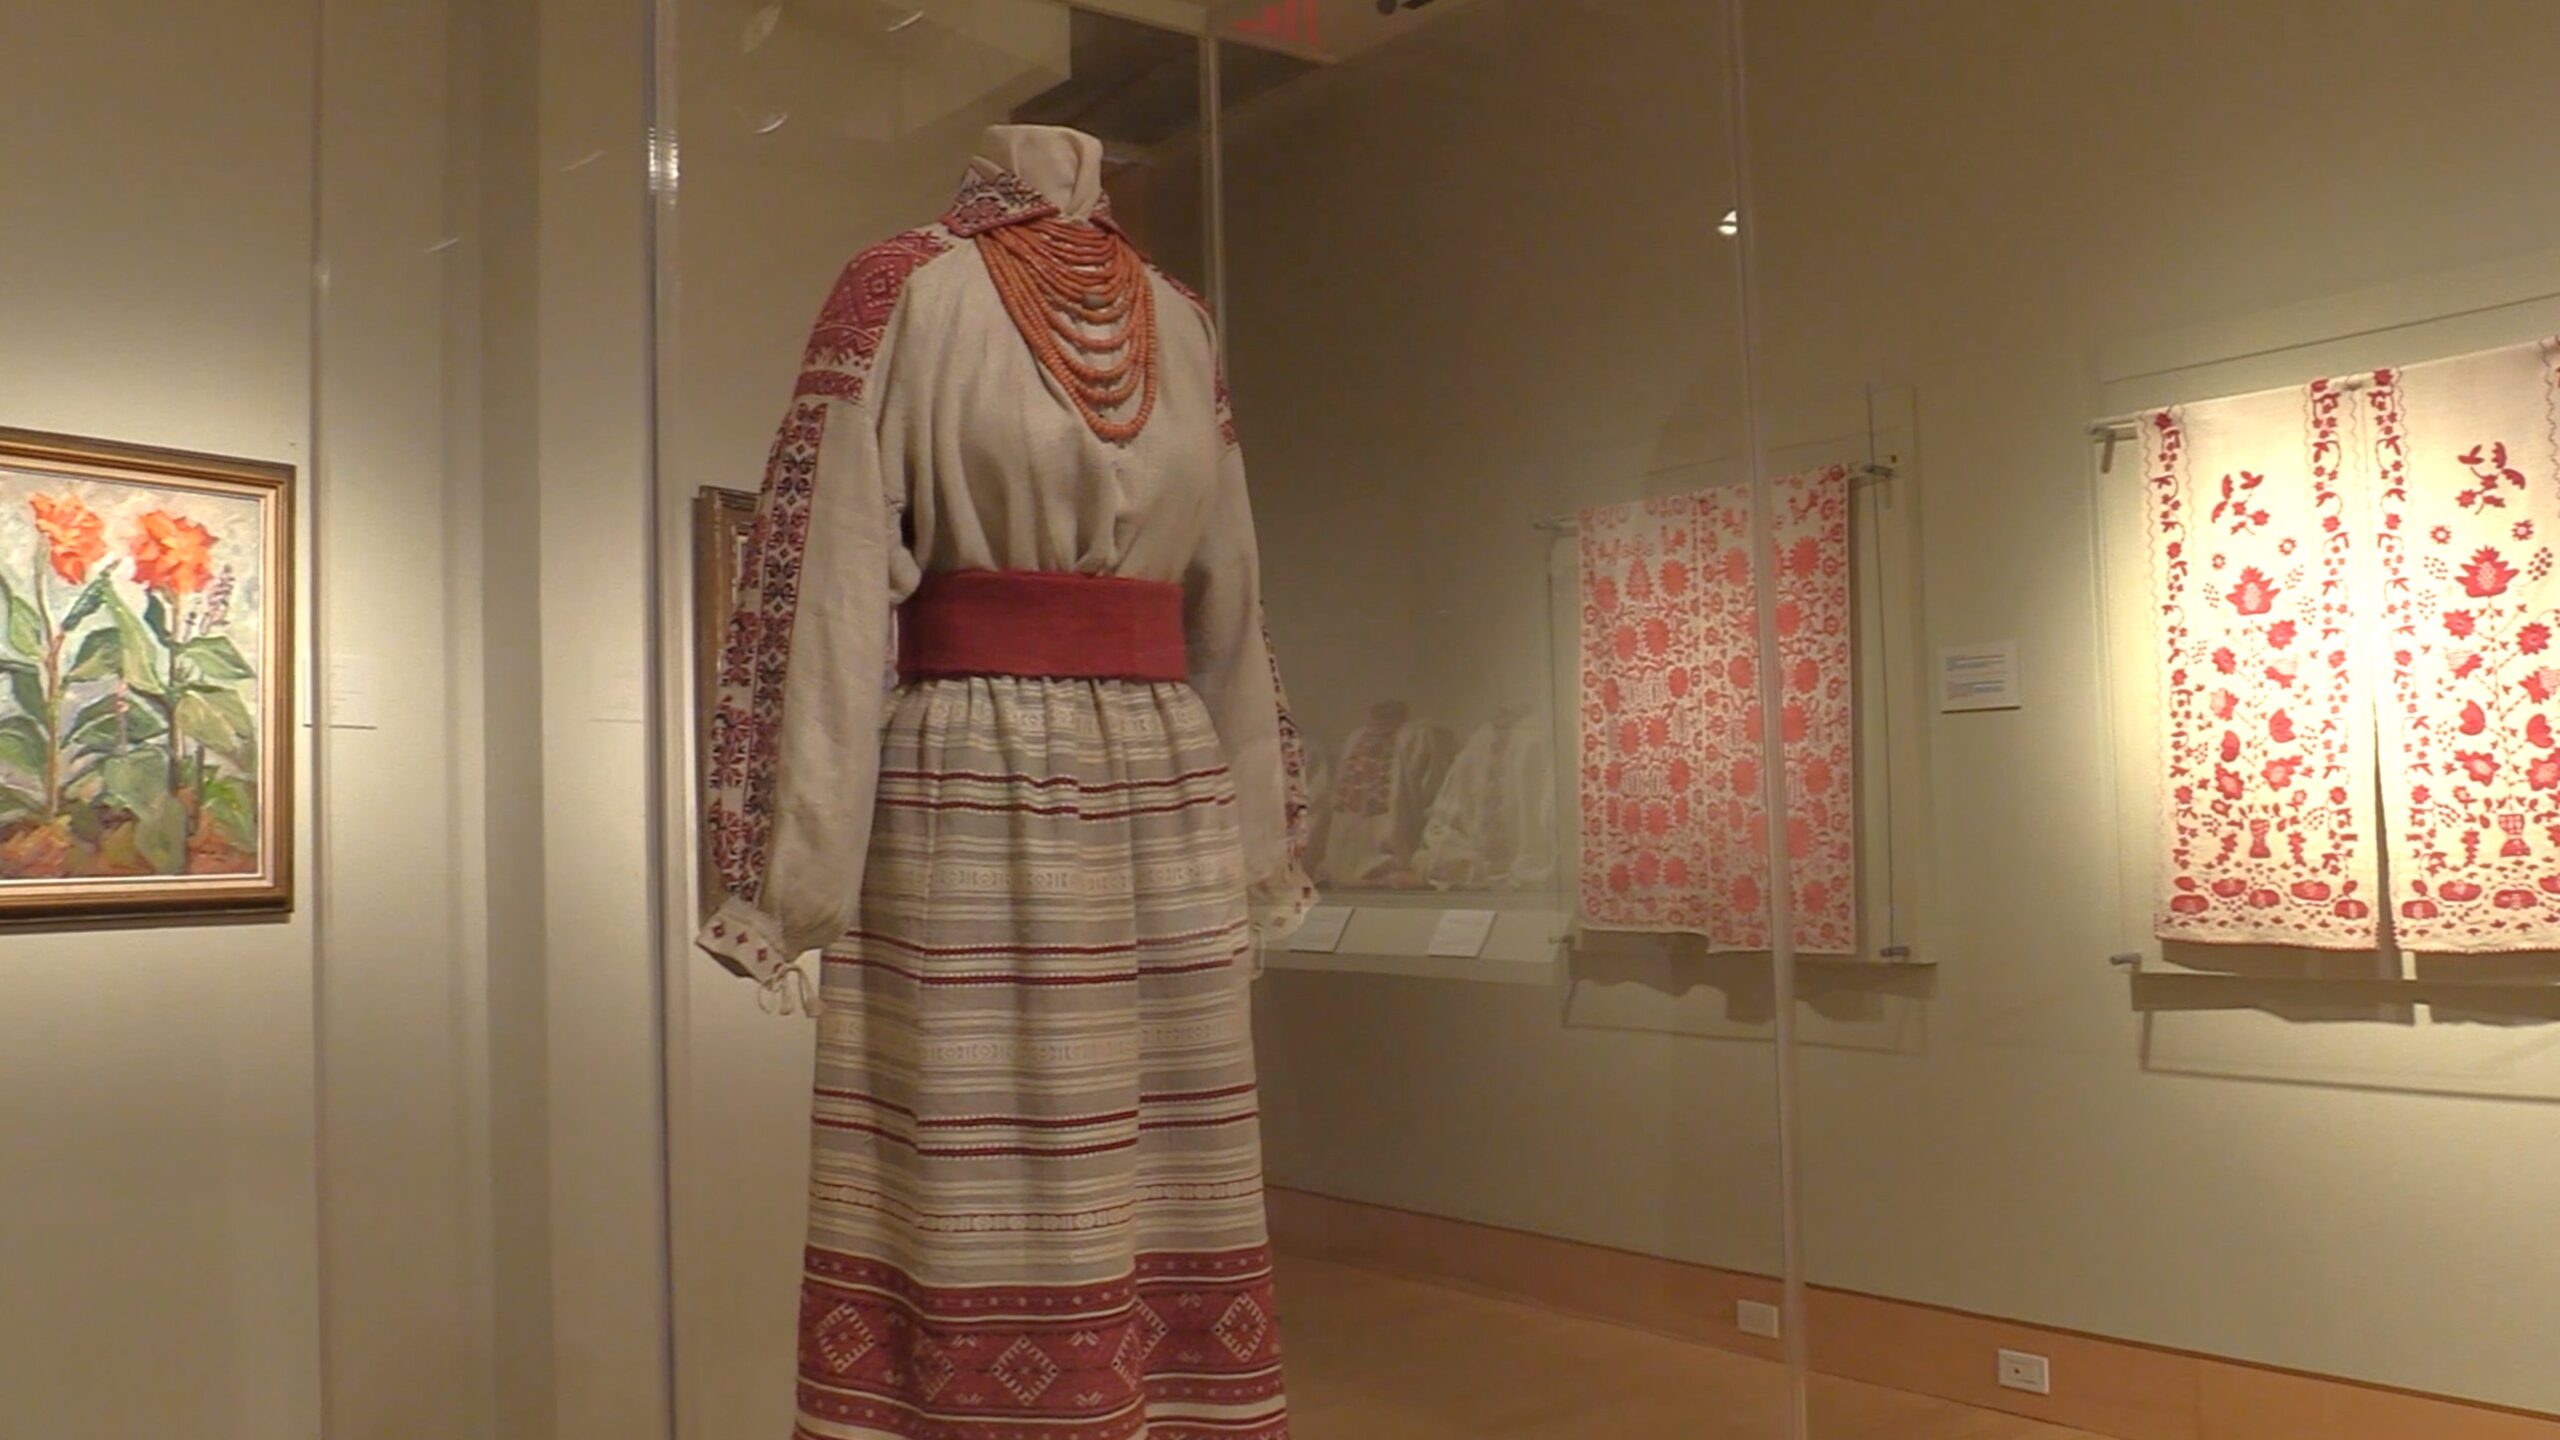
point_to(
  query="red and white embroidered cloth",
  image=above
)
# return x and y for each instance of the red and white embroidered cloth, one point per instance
(1674, 814)
(2266, 734)
(2378, 545)
(2466, 472)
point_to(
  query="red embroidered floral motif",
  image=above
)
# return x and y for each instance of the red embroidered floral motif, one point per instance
(1819, 739)
(1674, 812)
(1645, 780)
(2471, 780)
(2265, 730)
(1368, 771)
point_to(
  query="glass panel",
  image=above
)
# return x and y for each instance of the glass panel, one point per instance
(2223, 1079)
(808, 134)
(1475, 275)
(1488, 366)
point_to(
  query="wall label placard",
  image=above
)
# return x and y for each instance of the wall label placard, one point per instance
(1461, 934)
(1978, 677)
(355, 692)
(1321, 932)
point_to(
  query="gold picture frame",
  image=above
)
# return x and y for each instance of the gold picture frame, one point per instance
(146, 681)
(722, 521)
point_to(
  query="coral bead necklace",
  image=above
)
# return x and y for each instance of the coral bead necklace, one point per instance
(1080, 295)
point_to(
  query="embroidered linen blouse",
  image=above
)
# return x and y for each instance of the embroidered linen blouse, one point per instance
(923, 435)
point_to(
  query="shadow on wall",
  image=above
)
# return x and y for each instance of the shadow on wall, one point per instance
(1675, 966)
(2363, 986)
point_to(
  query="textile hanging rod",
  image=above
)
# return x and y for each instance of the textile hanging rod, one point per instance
(2125, 427)
(1572, 524)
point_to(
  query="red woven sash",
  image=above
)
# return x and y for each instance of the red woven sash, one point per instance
(1043, 624)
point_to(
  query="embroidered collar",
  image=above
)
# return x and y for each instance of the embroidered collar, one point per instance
(989, 201)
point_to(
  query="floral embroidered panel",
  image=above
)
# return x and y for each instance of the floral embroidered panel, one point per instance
(1645, 721)
(2356, 586)
(2266, 740)
(1674, 811)
(1817, 722)
(2466, 467)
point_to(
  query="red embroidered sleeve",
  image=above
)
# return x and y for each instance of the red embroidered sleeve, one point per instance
(755, 931)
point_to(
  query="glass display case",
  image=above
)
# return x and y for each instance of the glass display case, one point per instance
(1905, 653)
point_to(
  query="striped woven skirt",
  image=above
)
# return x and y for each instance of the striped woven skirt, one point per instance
(1036, 1186)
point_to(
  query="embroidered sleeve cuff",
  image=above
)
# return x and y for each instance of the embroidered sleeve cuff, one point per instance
(1280, 902)
(745, 940)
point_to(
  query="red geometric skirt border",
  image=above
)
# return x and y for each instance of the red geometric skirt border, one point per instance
(1186, 1348)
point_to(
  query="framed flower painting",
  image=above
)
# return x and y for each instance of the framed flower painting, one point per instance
(145, 681)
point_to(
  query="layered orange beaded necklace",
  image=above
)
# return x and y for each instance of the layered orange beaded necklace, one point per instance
(1081, 298)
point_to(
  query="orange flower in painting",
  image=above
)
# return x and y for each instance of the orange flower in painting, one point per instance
(172, 553)
(74, 533)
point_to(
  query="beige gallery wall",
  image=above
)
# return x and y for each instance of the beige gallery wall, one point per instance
(2032, 216)
(281, 1179)
(1484, 274)
(159, 1214)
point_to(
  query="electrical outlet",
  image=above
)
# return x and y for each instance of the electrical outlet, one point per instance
(1753, 1318)
(2022, 1371)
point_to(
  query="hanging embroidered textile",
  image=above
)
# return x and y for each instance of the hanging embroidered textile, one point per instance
(2374, 545)
(1645, 718)
(1674, 816)
(1817, 721)
(2266, 737)
(2466, 468)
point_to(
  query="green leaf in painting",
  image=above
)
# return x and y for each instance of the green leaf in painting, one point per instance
(135, 781)
(218, 720)
(23, 744)
(26, 690)
(81, 769)
(99, 656)
(216, 658)
(93, 595)
(14, 801)
(156, 615)
(231, 803)
(160, 832)
(10, 605)
(140, 657)
(111, 722)
(26, 632)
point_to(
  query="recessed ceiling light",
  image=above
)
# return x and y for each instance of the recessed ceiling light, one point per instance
(1730, 225)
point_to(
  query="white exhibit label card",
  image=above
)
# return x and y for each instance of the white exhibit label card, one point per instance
(1461, 933)
(355, 693)
(1979, 677)
(1321, 932)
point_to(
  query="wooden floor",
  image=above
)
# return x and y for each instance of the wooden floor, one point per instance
(1374, 1357)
